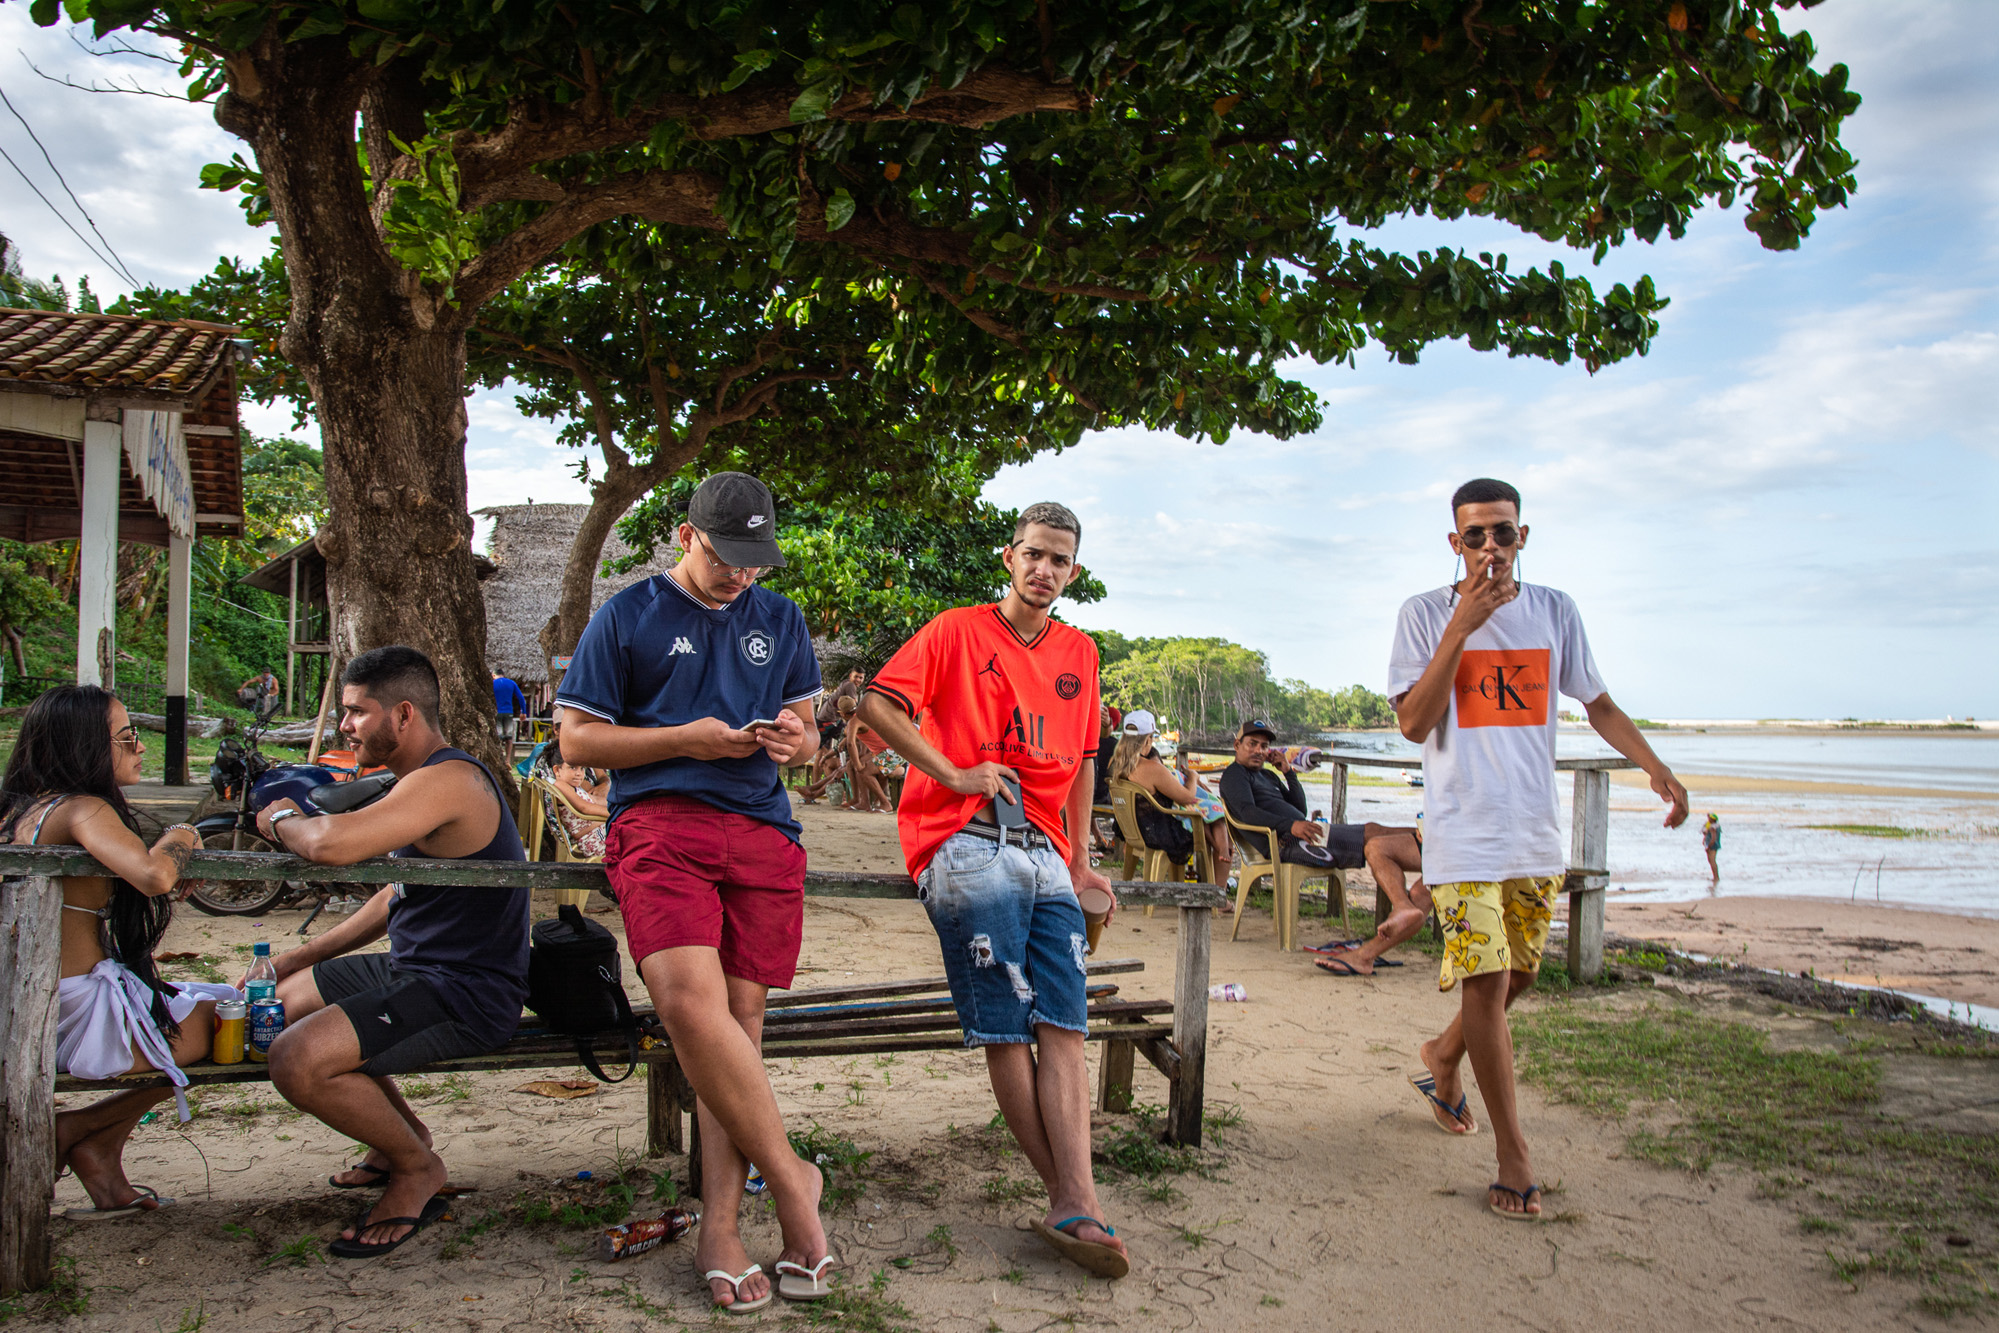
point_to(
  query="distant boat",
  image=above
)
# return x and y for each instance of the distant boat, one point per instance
(1412, 779)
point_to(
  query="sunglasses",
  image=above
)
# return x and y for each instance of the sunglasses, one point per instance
(128, 737)
(1505, 534)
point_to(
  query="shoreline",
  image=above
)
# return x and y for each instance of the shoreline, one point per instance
(1724, 782)
(1949, 955)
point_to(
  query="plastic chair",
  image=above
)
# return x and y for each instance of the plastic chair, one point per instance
(556, 801)
(1125, 798)
(1286, 882)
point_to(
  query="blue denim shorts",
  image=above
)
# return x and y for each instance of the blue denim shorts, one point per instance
(1012, 935)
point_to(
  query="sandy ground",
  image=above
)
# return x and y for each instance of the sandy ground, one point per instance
(1335, 1203)
(1952, 957)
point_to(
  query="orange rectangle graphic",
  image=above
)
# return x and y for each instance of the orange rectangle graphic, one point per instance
(1501, 687)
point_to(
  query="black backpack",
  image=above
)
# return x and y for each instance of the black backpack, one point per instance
(576, 984)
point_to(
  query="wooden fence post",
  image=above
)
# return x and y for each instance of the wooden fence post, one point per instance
(1190, 1026)
(1589, 843)
(30, 964)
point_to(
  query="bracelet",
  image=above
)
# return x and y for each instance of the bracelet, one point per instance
(277, 819)
(189, 827)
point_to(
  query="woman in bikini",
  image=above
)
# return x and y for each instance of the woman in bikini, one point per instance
(115, 1016)
(1135, 761)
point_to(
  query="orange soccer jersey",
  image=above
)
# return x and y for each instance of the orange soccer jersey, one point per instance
(981, 694)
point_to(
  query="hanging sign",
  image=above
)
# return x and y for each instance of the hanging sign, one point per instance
(157, 452)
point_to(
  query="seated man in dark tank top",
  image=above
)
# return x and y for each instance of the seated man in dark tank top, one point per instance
(455, 976)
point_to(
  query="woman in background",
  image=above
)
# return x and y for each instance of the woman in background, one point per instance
(115, 1015)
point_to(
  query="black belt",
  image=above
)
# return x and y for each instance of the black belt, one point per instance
(1029, 837)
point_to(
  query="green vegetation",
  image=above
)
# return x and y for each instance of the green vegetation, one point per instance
(298, 1253)
(1005, 1189)
(1713, 1092)
(839, 1161)
(1205, 686)
(1874, 830)
(64, 1295)
(855, 1310)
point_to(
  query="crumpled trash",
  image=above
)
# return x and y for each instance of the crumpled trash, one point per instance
(559, 1087)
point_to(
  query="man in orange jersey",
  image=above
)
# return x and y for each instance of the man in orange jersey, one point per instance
(995, 827)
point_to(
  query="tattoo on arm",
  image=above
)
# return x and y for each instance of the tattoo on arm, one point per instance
(178, 853)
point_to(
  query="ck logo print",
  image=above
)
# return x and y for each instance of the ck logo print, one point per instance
(1503, 687)
(680, 645)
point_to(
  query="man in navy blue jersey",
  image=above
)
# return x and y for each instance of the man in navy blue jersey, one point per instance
(693, 688)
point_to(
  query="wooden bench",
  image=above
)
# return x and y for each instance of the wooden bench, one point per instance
(869, 1019)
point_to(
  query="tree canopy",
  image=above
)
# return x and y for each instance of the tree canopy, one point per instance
(1208, 686)
(1069, 181)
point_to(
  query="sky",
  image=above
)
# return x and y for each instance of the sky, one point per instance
(1787, 509)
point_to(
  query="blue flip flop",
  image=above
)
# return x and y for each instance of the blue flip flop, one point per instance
(1427, 1085)
(1094, 1256)
(1525, 1196)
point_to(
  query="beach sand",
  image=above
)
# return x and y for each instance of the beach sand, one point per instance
(1932, 953)
(1335, 1203)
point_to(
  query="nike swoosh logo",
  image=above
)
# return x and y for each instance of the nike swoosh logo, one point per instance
(386, 1019)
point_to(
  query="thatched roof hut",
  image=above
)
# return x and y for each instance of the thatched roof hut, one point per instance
(530, 546)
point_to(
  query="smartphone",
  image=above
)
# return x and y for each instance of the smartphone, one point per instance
(761, 724)
(1010, 814)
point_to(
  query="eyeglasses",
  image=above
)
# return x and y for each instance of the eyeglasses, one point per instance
(129, 737)
(1505, 534)
(750, 572)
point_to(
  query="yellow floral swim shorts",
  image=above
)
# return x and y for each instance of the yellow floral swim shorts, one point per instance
(1493, 927)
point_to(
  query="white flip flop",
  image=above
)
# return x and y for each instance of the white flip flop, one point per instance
(149, 1201)
(796, 1282)
(736, 1281)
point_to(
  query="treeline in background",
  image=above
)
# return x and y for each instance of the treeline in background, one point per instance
(1205, 687)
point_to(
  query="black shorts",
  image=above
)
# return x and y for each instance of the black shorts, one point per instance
(400, 1019)
(1345, 848)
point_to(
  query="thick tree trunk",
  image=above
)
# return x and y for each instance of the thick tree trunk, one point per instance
(385, 358)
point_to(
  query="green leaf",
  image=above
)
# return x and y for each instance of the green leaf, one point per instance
(839, 210)
(387, 11)
(815, 102)
(748, 63)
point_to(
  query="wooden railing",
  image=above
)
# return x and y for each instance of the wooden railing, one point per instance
(31, 950)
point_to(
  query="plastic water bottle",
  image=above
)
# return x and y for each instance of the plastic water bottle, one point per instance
(262, 983)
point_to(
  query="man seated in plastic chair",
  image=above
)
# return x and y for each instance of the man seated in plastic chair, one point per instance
(1255, 794)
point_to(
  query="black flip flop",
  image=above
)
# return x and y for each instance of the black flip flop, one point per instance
(346, 1247)
(1338, 966)
(381, 1175)
(1386, 961)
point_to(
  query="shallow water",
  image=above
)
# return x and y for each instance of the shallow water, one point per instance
(1768, 846)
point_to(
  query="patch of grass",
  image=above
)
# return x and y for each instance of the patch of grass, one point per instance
(1803, 1120)
(64, 1295)
(1874, 830)
(452, 1087)
(838, 1159)
(469, 1233)
(940, 1236)
(1220, 1118)
(1162, 1191)
(299, 1253)
(1003, 1190)
(193, 1318)
(856, 1310)
(1270, 1300)
(627, 1294)
(1014, 1275)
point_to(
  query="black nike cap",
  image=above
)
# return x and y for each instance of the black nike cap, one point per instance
(734, 511)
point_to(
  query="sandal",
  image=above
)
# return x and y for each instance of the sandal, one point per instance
(381, 1176)
(353, 1247)
(1525, 1196)
(796, 1282)
(1095, 1256)
(736, 1281)
(1427, 1085)
(148, 1201)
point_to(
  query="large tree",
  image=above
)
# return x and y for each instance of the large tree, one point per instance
(1026, 165)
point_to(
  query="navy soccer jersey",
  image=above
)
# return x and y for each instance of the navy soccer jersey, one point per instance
(654, 656)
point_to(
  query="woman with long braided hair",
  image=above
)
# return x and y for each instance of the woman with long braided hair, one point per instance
(76, 750)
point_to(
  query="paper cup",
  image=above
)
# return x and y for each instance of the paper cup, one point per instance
(1096, 904)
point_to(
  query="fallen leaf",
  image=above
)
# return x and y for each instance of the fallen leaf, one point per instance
(187, 957)
(890, 170)
(559, 1087)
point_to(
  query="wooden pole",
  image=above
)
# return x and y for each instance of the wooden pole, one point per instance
(291, 638)
(1589, 845)
(30, 963)
(319, 723)
(1190, 1026)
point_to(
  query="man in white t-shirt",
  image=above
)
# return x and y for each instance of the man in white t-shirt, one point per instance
(1473, 677)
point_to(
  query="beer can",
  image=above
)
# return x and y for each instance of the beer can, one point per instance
(231, 1018)
(267, 1020)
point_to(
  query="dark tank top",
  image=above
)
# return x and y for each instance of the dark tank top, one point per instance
(470, 942)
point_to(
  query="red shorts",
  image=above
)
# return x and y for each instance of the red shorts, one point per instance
(687, 873)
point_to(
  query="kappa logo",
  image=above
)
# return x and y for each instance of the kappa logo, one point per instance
(758, 648)
(756, 520)
(680, 645)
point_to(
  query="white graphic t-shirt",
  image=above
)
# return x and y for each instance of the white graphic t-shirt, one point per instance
(1489, 768)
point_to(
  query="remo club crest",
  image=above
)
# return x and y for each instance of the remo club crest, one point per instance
(758, 648)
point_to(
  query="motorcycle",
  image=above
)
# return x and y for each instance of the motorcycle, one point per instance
(243, 774)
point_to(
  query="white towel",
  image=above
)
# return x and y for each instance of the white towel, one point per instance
(104, 1013)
